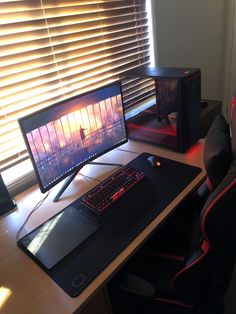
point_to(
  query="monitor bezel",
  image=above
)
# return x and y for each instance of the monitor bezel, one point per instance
(76, 169)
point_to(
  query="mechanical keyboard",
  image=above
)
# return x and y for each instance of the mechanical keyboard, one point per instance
(111, 189)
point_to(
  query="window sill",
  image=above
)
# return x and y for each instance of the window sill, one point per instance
(19, 177)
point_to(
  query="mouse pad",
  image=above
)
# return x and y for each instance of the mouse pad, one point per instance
(120, 223)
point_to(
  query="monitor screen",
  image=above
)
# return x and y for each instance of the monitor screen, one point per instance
(64, 137)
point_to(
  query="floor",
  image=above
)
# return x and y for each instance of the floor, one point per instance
(230, 299)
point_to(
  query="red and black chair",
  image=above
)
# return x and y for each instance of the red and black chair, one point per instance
(186, 267)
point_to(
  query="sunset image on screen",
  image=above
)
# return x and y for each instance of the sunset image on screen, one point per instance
(74, 132)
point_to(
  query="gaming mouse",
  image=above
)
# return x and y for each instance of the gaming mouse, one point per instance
(154, 161)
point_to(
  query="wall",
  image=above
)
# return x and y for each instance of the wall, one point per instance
(190, 33)
(229, 84)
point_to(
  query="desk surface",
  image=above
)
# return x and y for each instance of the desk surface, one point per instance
(30, 290)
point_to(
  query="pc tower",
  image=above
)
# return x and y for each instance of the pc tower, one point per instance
(172, 117)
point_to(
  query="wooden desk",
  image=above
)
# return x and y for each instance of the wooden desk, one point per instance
(30, 290)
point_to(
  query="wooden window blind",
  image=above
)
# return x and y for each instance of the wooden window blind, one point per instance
(55, 49)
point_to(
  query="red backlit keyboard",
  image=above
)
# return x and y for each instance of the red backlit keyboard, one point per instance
(111, 189)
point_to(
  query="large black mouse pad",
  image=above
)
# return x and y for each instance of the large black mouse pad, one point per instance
(121, 223)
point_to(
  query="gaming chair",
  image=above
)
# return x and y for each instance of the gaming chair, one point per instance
(187, 265)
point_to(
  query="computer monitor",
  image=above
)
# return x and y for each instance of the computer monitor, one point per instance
(62, 138)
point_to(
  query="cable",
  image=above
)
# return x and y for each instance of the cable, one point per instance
(91, 178)
(128, 151)
(41, 202)
(28, 217)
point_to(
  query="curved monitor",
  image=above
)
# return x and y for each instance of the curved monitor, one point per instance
(64, 137)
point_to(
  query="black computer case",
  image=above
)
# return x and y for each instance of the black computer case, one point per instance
(174, 119)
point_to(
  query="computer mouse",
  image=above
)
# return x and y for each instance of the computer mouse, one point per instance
(154, 161)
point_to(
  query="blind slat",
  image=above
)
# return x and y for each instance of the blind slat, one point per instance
(78, 39)
(55, 49)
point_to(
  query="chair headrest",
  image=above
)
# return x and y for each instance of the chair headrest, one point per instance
(217, 150)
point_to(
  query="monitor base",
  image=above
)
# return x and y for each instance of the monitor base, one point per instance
(74, 174)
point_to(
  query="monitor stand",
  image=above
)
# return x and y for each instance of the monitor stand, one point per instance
(74, 174)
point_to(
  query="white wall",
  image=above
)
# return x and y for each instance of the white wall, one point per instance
(190, 33)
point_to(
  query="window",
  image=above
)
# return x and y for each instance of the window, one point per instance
(55, 49)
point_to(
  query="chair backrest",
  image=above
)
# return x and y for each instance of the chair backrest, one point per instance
(209, 267)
